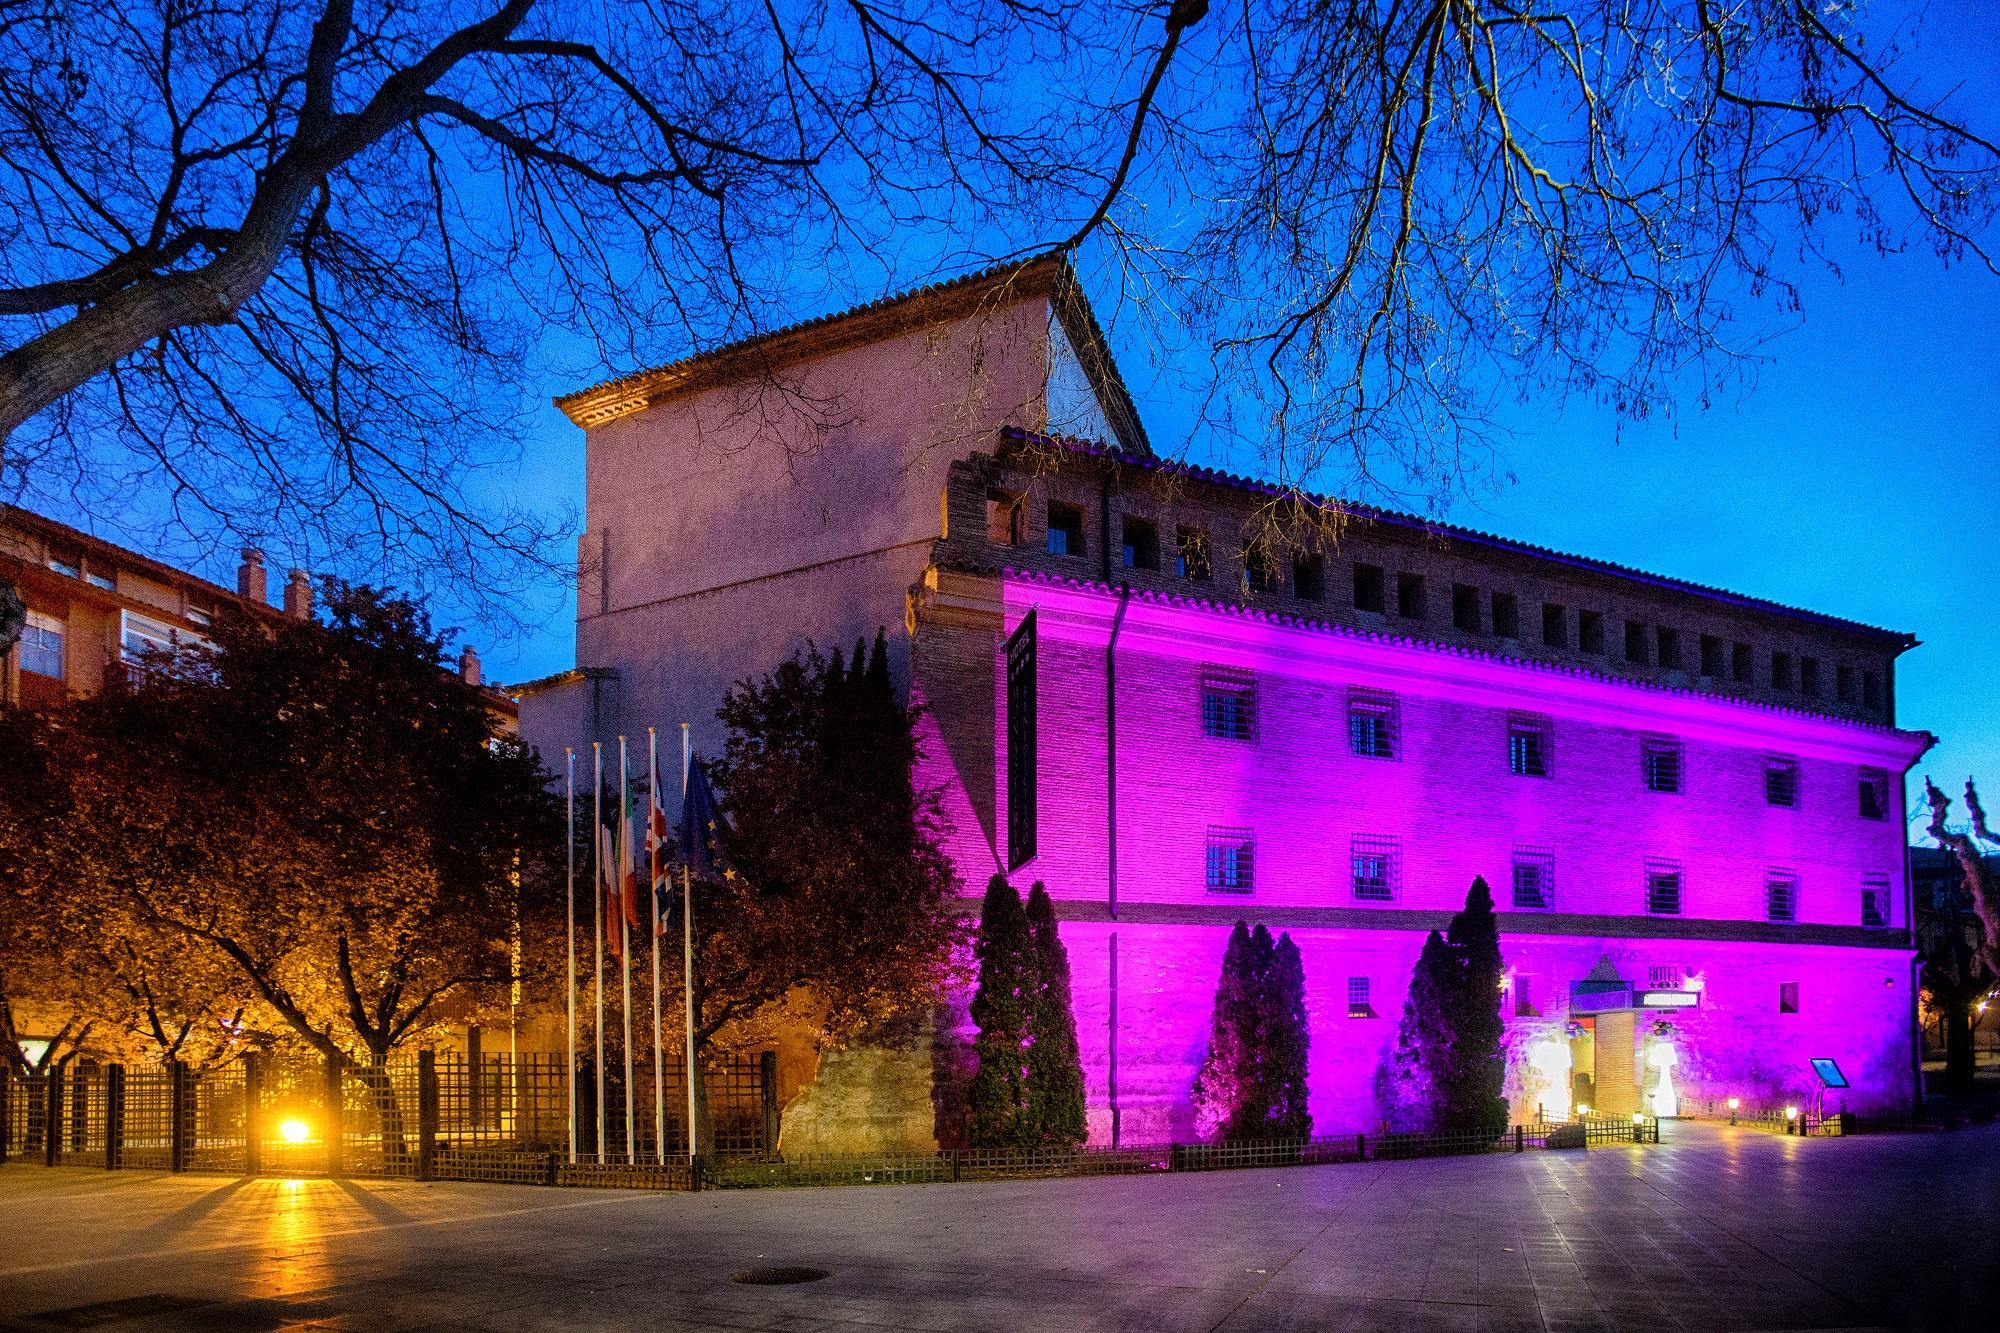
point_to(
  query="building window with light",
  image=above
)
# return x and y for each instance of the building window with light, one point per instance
(1021, 742)
(1663, 888)
(1660, 763)
(1358, 1003)
(1528, 745)
(1228, 705)
(42, 645)
(1534, 879)
(1371, 724)
(1231, 861)
(1373, 864)
(1781, 895)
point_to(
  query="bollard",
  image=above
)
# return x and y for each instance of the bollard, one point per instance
(1520, 1138)
(336, 1131)
(253, 1114)
(114, 1117)
(179, 1096)
(427, 1114)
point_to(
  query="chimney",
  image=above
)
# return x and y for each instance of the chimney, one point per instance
(250, 582)
(298, 595)
(468, 665)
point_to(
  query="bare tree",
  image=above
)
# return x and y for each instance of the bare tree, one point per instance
(1980, 880)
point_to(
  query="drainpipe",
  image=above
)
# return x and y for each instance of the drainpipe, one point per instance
(1111, 841)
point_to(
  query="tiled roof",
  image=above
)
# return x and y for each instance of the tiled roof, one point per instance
(1431, 527)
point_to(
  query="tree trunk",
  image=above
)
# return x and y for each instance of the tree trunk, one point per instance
(1958, 1049)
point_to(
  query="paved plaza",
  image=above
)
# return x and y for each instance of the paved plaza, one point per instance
(1713, 1229)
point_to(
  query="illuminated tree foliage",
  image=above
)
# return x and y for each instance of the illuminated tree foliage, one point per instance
(1252, 1080)
(1413, 1081)
(1055, 1064)
(1287, 1045)
(1447, 1070)
(1959, 953)
(998, 1101)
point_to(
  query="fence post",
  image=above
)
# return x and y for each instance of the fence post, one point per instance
(767, 1084)
(1360, 1147)
(114, 1117)
(475, 1095)
(427, 1114)
(253, 1114)
(1520, 1138)
(52, 1113)
(178, 1097)
(336, 1111)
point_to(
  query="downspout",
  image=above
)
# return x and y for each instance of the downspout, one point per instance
(1111, 841)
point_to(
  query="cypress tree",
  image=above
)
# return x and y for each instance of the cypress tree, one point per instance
(1414, 1082)
(997, 1100)
(1286, 1045)
(1228, 1062)
(1478, 1066)
(1055, 1065)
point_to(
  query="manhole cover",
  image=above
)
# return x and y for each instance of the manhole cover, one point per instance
(778, 1277)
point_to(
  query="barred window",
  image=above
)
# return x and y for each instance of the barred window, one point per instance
(1875, 901)
(1358, 1003)
(1534, 879)
(1231, 860)
(1663, 888)
(1660, 763)
(1781, 780)
(1781, 895)
(1874, 794)
(1371, 724)
(1228, 705)
(1528, 744)
(1376, 872)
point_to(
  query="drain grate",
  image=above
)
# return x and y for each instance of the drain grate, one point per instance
(778, 1277)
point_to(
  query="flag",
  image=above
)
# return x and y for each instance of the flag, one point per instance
(656, 857)
(701, 830)
(608, 869)
(628, 869)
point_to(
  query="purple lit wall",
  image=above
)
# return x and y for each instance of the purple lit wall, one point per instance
(1454, 809)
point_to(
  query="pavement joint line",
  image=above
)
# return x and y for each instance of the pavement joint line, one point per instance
(1347, 1199)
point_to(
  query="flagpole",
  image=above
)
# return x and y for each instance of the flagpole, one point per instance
(597, 919)
(569, 854)
(687, 951)
(626, 883)
(653, 815)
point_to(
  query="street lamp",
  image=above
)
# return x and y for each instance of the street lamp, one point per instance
(1734, 1102)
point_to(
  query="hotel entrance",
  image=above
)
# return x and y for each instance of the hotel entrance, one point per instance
(1604, 1043)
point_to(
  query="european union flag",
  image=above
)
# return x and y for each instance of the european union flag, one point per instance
(701, 831)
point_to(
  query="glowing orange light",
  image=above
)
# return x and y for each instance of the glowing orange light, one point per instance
(294, 1131)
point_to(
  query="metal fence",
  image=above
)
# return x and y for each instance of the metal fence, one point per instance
(1801, 1119)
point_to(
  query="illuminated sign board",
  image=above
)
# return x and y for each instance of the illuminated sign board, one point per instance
(1668, 999)
(1829, 1073)
(1597, 997)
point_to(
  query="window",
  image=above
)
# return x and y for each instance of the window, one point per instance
(1065, 529)
(1871, 690)
(1228, 706)
(1006, 519)
(1528, 747)
(1260, 571)
(1875, 901)
(1232, 860)
(1358, 1004)
(1635, 642)
(1663, 888)
(97, 580)
(1191, 554)
(1140, 541)
(1021, 772)
(1781, 671)
(1374, 862)
(1524, 998)
(1590, 631)
(1465, 607)
(1371, 724)
(1410, 603)
(1663, 976)
(1534, 879)
(197, 616)
(1309, 577)
(1742, 664)
(1668, 641)
(1788, 997)
(1506, 615)
(142, 635)
(42, 645)
(1781, 895)
(1368, 588)
(1555, 626)
(1711, 655)
(66, 565)
(1809, 676)
(1874, 792)
(1843, 683)
(1660, 763)
(1781, 781)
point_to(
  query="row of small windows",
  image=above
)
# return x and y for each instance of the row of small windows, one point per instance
(1375, 876)
(1473, 610)
(1360, 1003)
(1229, 712)
(44, 639)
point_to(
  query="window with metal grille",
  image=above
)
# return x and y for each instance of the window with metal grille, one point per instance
(1141, 543)
(1065, 529)
(1372, 724)
(1465, 607)
(42, 645)
(1021, 771)
(1663, 976)
(1191, 554)
(1660, 763)
(1375, 870)
(1788, 997)
(1006, 519)
(1506, 615)
(1309, 577)
(1663, 888)
(1368, 587)
(1875, 901)
(1410, 600)
(1555, 626)
(1781, 781)
(1358, 1003)
(1228, 705)
(1260, 571)
(1534, 879)
(1781, 895)
(1528, 745)
(1590, 631)
(1231, 860)
(1874, 793)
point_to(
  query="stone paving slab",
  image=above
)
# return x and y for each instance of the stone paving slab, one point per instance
(1714, 1229)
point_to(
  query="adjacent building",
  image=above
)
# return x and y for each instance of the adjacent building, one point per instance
(1182, 698)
